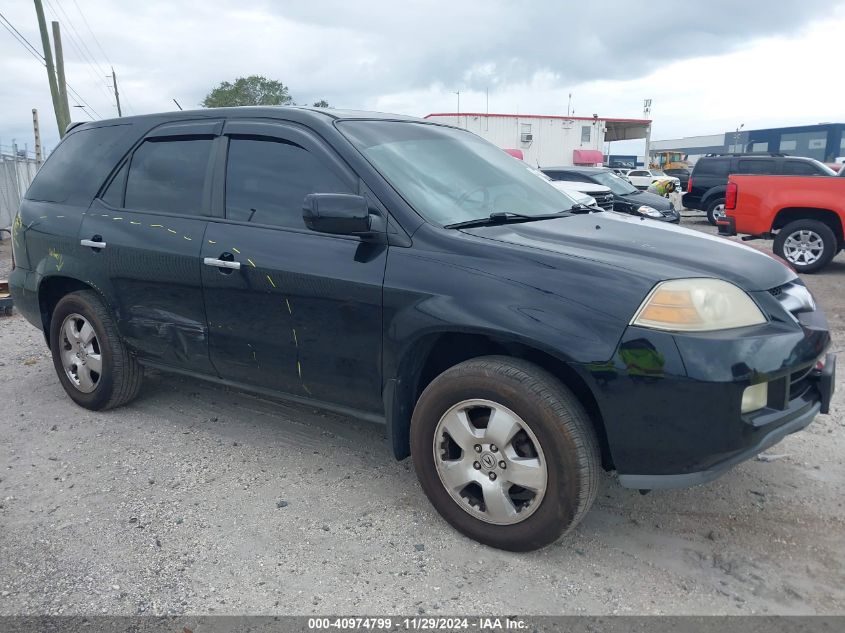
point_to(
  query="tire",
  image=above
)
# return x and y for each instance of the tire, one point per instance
(119, 377)
(713, 209)
(564, 444)
(821, 245)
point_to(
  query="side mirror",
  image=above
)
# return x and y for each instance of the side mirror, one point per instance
(336, 213)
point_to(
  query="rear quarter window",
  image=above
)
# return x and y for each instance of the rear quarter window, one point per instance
(716, 168)
(80, 164)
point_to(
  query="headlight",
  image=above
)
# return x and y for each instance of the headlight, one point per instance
(649, 211)
(697, 305)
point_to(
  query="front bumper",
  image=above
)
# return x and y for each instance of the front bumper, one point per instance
(671, 403)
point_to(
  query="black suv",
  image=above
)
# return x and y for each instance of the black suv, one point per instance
(411, 273)
(709, 178)
(626, 197)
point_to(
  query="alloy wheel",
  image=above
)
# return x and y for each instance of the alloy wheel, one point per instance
(81, 356)
(490, 462)
(803, 247)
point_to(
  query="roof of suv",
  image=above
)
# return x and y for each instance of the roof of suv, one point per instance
(294, 113)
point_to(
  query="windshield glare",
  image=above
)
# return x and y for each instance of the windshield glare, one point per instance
(451, 175)
(617, 184)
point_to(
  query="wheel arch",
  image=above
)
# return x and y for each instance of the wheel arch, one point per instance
(832, 219)
(50, 292)
(434, 353)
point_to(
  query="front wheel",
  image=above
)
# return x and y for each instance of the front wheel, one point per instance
(716, 211)
(93, 365)
(808, 245)
(505, 452)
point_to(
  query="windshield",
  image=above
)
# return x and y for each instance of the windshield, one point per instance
(617, 184)
(657, 172)
(450, 175)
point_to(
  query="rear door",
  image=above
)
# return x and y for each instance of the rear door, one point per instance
(143, 235)
(290, 310)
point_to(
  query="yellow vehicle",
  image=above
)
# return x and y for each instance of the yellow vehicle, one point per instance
(669, 160)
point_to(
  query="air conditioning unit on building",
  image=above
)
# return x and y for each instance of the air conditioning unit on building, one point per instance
(526, 138)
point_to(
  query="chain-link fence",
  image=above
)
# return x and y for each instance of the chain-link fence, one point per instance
(16, 172)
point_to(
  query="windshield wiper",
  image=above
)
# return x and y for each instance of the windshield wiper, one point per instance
(502, 217)
(584, 208)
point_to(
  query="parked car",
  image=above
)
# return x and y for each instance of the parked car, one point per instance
(644, 178)
(803, 214)
(414, 274)
(709, 178)
(583, 192)
(626, 198)
(681, 174)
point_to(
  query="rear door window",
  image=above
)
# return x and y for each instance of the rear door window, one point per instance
(755, 166)
(799, 168)
(169, 176)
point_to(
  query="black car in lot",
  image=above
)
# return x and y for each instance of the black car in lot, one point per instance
(626, 197)
(709, 179)
(413, 274)
(681, 174)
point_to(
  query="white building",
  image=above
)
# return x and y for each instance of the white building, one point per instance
(549, 140)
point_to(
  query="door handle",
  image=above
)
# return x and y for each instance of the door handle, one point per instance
(221, 263)
(96, 244)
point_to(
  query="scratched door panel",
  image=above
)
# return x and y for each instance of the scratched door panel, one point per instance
(301, 316)
(149, 272)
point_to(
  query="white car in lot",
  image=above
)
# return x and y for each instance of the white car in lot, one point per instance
(588, 193)
(643, 178)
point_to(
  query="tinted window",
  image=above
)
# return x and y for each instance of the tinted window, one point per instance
(113, 196)
(267, 181)
(799, 168)
(755, 166)
(717, 167)
(78, 166)
(638, 173)
(168, 176)
(562, 175)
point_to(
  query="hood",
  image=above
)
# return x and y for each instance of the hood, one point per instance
(651, 199)
(653, 249)
(583, 187)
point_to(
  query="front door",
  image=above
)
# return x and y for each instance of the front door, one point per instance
(289, 309)
(143, 238)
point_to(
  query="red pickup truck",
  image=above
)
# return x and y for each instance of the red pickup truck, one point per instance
(803, 214)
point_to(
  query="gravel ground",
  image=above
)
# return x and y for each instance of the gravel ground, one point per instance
(196, 499)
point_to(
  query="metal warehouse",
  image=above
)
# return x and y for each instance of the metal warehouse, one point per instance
(545, 140)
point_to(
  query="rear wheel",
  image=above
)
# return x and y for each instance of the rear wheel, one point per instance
(808, 245)
(716, 211)
(93, 365)
(505, 452)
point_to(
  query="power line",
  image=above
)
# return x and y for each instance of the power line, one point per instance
(29, 48)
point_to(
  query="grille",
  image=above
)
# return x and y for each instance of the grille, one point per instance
(604, 200)
(799, 382)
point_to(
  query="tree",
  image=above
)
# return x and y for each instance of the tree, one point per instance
(322, 103)
(247, 91)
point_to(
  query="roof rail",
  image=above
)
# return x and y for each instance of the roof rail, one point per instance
(773, 154)
(72, 125)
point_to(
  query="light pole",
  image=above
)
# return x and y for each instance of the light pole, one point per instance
(458, 92)
(736, 137)
(646, 114)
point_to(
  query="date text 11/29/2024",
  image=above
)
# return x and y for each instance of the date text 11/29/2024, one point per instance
(418, 623)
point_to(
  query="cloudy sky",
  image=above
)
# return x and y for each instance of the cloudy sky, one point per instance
(707, 65)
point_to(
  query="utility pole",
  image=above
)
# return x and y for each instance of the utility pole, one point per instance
(116, 95)
(60, 69)
(37, 132)
(646, 115)
(459, 107)
(61, 122)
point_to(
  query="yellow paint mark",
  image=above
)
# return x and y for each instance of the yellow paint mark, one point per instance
(157, 225)
(187, 238)
(295, 340)
(287, 303)
(58, 257)
(117, 218)
(212, 242)
(43, 217)
(236, 250)
(270, 279)
(251, 263)
(60, 216)
(133, 222)
(171, 231)
(299, 370)
(105, 215)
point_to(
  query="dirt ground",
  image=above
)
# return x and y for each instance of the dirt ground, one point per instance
(196, 499)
